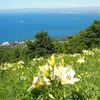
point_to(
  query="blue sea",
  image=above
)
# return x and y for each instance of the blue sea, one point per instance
(19, 26)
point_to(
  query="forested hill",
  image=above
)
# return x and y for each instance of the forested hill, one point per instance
(43, 45)
(85, 39)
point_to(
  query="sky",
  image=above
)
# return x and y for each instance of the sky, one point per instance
(12, 4)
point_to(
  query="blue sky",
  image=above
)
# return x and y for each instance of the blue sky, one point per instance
(10, 4)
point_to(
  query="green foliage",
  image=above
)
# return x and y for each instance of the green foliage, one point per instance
(58, 47)
(13, 54)
(85, 39)
(15, 79)
(41, 46)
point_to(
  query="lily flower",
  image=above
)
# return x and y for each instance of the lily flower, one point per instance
(69, 78)
(46, 80)
(66, 75)
(81, 60)
(35, 79)
(45, 72)
(40, 81)
(36, 82)
(60, 71)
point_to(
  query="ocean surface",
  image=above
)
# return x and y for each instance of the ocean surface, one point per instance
(18, 26)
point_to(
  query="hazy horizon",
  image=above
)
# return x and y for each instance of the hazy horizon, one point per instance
(20, 4)
(55, 10)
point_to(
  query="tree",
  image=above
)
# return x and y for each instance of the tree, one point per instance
(42, 45)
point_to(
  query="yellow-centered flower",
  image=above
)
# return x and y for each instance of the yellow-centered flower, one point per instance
(40, 81)
(36, 82)
(66, 75)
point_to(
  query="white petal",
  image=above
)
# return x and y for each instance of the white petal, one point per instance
(35, 79)
(72, 81)
(30, 88)
(46, 80)
(76, 79)
(61, 71)
(70, 73)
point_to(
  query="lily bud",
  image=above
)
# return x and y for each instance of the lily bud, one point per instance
(62, 61)
(51, 96)
(45, 72)
(52, 62)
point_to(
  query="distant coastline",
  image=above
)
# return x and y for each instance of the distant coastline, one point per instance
(54, 10)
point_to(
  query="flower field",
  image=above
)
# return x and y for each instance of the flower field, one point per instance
(59, 77)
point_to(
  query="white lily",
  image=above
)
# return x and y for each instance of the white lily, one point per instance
(35, 79)
(60, 71)
(46, 80)
(47, 67)
(69, 78)
(81, 60)
(36, 82)
(88, 52)
(66, 75)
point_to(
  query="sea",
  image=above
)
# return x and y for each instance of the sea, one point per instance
(21, 26)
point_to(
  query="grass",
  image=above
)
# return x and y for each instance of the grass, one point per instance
(15, 78)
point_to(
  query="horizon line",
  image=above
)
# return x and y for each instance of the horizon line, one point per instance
(49, 7)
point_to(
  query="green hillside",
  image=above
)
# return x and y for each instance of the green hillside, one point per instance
(16, 78)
